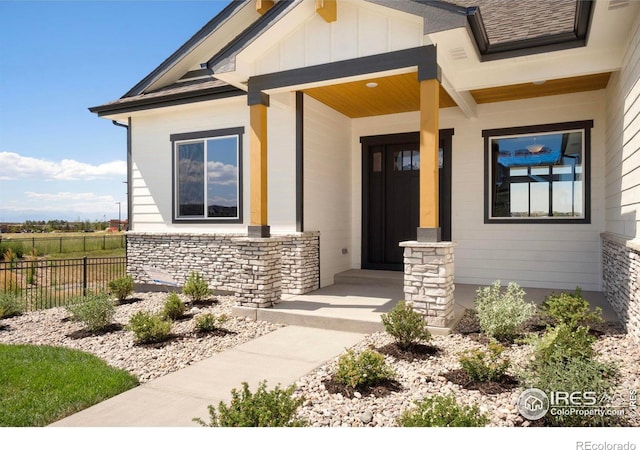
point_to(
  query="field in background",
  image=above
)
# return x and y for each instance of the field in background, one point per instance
(65, 244)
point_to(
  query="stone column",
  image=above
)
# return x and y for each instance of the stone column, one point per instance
(258, 271)
(300, 262)
(428, 280)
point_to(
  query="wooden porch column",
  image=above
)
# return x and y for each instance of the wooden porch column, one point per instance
(258, 148)
(429, 230)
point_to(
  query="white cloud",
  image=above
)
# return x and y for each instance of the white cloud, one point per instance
(70, 196)
(77, 203)
(15, 167)
(220, 173)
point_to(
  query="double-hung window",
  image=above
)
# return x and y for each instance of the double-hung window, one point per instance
(207, 180)
(538, 173)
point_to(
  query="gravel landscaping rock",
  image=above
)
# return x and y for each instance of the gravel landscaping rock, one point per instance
(422, 376)
(421, 372)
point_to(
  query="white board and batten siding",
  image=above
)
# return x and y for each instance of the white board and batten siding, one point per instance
(327, 186)
(152, 183)
(362, 29)
(623, 144)
(556, 256)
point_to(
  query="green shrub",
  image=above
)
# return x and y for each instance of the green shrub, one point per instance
(122, 287)
(196, 287)
(406, 325)
(366, 369)
(275, 408)
(485, 366)
(576, 375)
(442, 411)
(571, 309)
(173, 307)
(11, 250)
(10, 305)
(563, 342)
(208, 322)
(95, 311)
(501, 314)
(149, 328)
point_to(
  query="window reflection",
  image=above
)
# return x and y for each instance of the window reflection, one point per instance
(538, 175)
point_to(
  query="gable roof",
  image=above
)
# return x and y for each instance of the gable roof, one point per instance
(500, 31)
(178, 93)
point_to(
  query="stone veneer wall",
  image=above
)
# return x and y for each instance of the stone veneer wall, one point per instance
(258, 271)
(428, 280)
(621, 279)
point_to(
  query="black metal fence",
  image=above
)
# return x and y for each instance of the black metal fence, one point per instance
(63, 244)
(46, 283)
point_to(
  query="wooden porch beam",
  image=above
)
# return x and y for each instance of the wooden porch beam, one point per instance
(429, 165)
(258, 161)
(327, 9)
(262, 6)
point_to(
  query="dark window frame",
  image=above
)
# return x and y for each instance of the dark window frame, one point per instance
(585, 126)
(175, 139)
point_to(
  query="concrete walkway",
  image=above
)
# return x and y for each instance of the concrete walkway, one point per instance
(282, 356)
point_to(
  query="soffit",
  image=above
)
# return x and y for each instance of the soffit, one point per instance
(549, 87)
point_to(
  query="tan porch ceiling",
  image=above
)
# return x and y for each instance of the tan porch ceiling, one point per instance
(394, 94)
(400, 93)
(550, 87)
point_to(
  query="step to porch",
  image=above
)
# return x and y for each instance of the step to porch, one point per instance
(355, 303)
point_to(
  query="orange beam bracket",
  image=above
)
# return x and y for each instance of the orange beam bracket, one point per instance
(429, 165)
(327, 9)
(262, 6)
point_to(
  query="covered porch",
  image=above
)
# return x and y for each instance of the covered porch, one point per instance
(359, 297)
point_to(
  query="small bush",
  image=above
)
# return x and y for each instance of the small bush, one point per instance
(366, 369)
(122, 287)
(11, 250)
(173, 307)
(563, 342)
(10, 305)
(95, 311)
(502, 313)
(571, 309)
(208, 322)
(442, 411)
(196, 287)
(577, 375)
(485, 366)
(406, 325)
(275, 408)
(149, 328)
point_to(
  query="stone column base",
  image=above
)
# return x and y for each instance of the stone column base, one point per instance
(428, 280)
(258, 271)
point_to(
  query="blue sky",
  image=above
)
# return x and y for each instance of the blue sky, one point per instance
(57, 58)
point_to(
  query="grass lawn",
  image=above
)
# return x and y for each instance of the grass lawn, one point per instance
(41, 384)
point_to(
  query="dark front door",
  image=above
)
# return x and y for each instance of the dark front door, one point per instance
(391, 195)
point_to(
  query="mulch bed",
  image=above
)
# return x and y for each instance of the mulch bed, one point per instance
(412, 353)
(379, 390)
(460, 377)
(81, 334)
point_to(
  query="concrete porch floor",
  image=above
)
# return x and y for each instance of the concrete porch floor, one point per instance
(359, 297)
